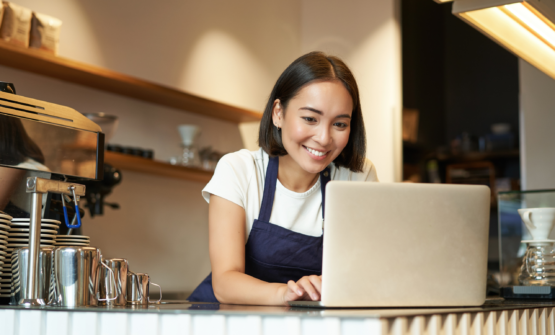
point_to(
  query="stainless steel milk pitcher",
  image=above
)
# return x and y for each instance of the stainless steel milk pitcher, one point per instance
(119, 268)
(77, 276)
(20, 261)
(138, 289)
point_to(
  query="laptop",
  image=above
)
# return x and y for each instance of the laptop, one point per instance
(404, 245)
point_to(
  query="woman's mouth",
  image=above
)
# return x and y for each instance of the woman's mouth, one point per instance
(316, 154)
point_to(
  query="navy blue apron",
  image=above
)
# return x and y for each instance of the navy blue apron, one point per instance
(275, 254)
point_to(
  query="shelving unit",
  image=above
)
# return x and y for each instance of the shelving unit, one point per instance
(139, 164)
(480, 156)
(42, 63)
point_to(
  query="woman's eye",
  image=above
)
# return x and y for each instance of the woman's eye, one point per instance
(340, 125)
(309, 119)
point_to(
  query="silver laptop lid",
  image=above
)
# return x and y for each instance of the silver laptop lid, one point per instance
(405, 244)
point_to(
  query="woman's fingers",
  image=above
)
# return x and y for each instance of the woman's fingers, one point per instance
(295, 289)
(308, 284)
(307, 288)
(316, 282)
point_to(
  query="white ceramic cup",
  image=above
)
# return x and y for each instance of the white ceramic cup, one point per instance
(188, 133)
(539, 221)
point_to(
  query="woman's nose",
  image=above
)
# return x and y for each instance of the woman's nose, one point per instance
(323, 136)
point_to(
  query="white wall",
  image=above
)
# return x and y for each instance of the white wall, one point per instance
(537, 128)
(366, 35)
(204, 47)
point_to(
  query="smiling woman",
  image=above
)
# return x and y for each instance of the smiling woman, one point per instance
(266, 206)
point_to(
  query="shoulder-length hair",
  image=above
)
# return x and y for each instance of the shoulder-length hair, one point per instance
(315, 66)
(15, 145)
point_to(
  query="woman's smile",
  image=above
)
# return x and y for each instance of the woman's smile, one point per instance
(316, 154)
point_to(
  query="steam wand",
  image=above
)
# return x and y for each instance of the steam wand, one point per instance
(38, 187)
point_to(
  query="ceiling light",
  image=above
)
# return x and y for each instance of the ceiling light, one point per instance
(524, 27)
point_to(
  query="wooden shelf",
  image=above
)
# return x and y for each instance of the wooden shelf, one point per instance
(139, 164)
(42, 63)
(480, 156)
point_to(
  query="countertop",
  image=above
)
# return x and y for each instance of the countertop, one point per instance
(184, 307)
(496, 317)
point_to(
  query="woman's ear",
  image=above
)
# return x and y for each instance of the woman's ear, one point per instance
(277, 114)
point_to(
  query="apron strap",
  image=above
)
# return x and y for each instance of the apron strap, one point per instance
(325, 177)
(270, 188)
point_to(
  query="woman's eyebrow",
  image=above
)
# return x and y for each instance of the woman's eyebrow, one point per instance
(312, 110)
(321, 113)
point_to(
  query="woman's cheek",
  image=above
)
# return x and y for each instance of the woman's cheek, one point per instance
(299, 132)
(343, 139)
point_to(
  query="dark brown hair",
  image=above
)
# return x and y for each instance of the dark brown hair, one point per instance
(15, 145)
(315, 66)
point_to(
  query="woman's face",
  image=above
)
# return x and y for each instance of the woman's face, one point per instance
(315, 126)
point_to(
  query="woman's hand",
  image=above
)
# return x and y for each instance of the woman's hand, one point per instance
(307, 288)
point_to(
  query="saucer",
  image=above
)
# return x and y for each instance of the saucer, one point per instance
(6, 217)
(538, 241)
(26, 224)
(81, 240)
(24, 235)
(16, 245)
(26, 230)
(23, 220)
(72, 241)
(72, 244)
(72, 237)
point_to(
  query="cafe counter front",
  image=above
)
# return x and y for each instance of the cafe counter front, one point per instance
(497, 316)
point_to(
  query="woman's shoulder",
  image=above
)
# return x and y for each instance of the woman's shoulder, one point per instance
(234, 175)
(368, 172)
(30, 163)
(244, 159)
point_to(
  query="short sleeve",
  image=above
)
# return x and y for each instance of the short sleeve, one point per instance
(370, 170)
(231, 179)
(368, 173)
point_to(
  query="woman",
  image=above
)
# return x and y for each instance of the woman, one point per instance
(18, 150)
(266, 207)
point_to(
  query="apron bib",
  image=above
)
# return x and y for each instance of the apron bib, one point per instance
(275, 254)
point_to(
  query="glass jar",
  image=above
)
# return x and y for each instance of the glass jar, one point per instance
(538, 265)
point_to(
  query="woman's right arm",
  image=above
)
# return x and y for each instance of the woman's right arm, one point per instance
(9, 179)
(231, 285)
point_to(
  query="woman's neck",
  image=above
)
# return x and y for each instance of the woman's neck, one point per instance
(293, 177)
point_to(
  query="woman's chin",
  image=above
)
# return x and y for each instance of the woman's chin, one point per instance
(315, 167)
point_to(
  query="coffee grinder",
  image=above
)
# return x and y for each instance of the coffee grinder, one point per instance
(42, 147)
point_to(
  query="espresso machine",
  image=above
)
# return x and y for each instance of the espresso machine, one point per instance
(45, 149)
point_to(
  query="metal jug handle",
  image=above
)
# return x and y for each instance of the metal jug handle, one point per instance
(160, 288)
(139, 288)
(56, 297)
(113, 283)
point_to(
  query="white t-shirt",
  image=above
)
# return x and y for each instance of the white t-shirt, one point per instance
(239, 177)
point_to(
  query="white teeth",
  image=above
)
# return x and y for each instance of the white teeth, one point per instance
(314, 152)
